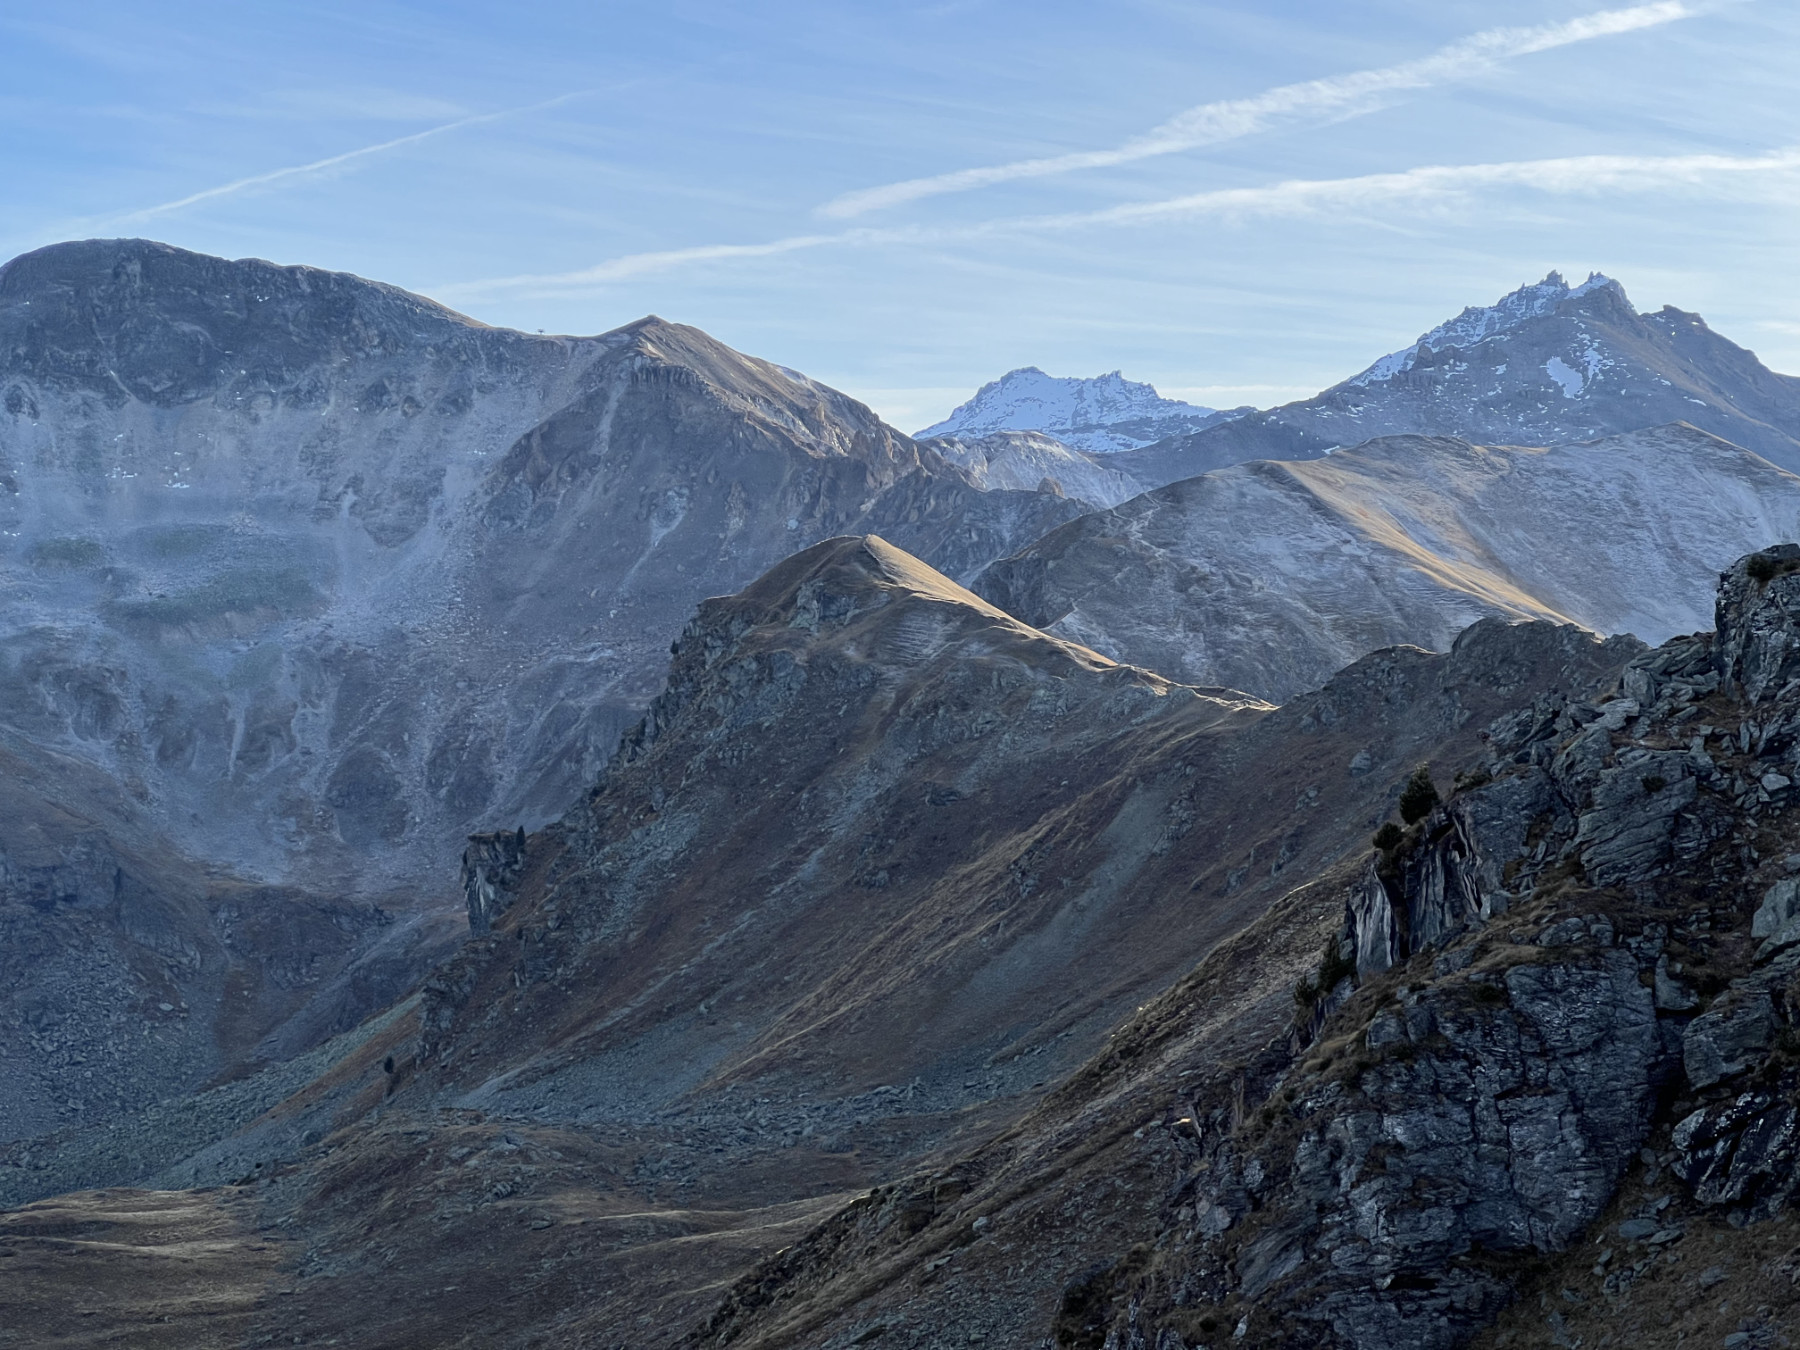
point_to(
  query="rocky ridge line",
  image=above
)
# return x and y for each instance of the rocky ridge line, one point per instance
(1589, 953)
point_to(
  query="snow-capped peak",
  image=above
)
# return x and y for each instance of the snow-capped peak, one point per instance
(1106, 412)
(1478, 322)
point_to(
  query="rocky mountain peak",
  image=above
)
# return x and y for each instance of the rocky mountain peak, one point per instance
(1477, 322)
(1102, 413)
(853, 571)
(1548, 363)
(879, 605)
(132, 319)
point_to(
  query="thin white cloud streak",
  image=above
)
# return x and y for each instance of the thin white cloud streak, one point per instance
(1433, 185)
(1575, 175)
(321, 166)
(636, 264)
(1332, 98)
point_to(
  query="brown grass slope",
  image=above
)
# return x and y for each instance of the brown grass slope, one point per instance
(881, 866)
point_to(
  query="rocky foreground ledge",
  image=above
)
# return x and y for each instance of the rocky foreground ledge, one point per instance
(1585, 966)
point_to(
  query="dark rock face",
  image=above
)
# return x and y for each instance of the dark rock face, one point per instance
(1453, 883)
(1506, 1129)
(1757, 620)
(1741, 1151)
(491, 865)
(1497, 1112)
(1728, 1038)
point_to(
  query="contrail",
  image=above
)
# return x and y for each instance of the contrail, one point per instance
(321, 165)
(1335, 96)
(1571, 176)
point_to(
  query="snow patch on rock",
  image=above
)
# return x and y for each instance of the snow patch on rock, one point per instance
(1568, 379)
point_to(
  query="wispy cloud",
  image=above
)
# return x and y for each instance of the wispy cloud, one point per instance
(636, 264)
(1332, 98)
(1428, 184)
(1574, 175)
(323, 166)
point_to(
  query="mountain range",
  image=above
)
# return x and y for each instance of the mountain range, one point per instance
(257, 510)
(1549, 363)
(878, 868)
(915, 889)
(1546, 364)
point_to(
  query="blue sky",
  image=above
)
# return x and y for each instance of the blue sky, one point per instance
(1240, 202)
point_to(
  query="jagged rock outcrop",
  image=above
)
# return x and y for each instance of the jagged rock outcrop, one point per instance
(491, 865)
(1268, 576)
(1417, 895)
(1758, 618)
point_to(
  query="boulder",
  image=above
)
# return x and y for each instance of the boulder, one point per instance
(1671, 994)
(1728, 1038)
(1740, 1149)
(1778, 917)
(1758, 621)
